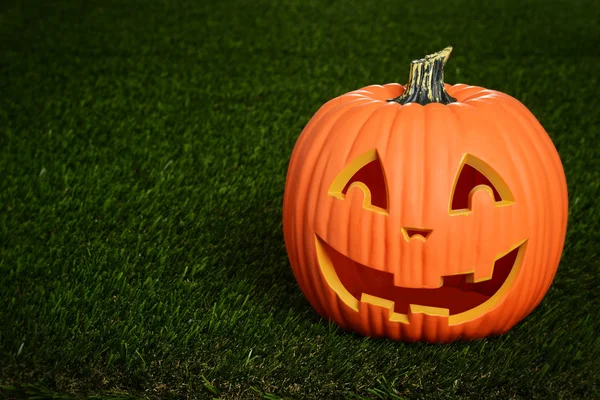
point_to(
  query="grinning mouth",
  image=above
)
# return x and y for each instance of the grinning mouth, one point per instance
(458, 297)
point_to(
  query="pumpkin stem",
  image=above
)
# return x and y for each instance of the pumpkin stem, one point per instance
(426, 80)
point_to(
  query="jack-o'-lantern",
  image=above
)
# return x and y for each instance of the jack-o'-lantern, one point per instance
(425, 212)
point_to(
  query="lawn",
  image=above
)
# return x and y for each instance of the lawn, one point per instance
(143, 153)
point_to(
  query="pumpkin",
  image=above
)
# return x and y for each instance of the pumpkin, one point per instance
(425, 212)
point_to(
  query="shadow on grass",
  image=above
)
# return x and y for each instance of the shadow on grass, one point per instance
(260, 263)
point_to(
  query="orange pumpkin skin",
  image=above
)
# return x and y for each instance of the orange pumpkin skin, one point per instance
(421, 150)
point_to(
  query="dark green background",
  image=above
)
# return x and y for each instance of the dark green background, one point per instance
(143, 152)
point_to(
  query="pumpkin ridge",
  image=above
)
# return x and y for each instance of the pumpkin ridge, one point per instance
(325, 146)
(360, 131)
(532, 191)
(303, 201)
(524, 122)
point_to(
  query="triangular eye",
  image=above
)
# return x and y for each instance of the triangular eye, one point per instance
(472, 173)
(366, 172)
(372, 176)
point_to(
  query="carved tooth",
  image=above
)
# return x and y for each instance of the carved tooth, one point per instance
(387, 304)
(377, 301)
(439, 311)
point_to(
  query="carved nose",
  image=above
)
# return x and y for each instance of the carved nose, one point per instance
(410, 233)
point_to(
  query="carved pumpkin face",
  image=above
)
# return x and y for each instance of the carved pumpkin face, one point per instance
(424, 222)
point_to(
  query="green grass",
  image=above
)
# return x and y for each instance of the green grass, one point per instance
(143, 152)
